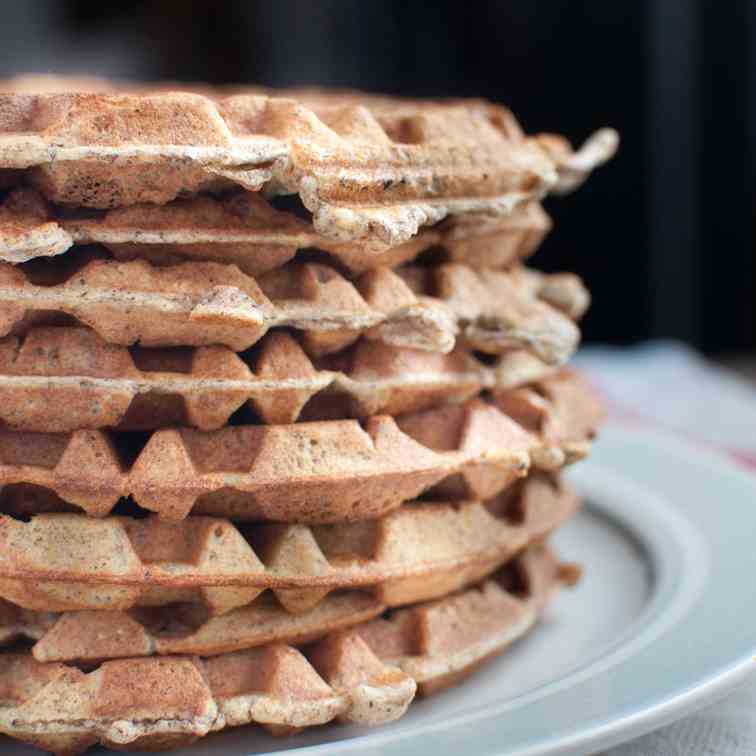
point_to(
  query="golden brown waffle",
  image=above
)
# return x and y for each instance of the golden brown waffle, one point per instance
(194, 304)
(370, 169)
(198, 304)
(68, 562)
(367, 675)
(61, 379)
(92, 636)
(306, 472)
(245, 229)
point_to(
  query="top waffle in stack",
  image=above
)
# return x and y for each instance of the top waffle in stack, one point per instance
(371, 170)
(272, 321)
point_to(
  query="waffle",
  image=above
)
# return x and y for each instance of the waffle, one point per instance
(205, 303)
(371, 170)
(195, 304)
(367, 675)
(62, 379)
(306, 472)
(200, 304)
(69, 562)
(246, 230)
(93, 636)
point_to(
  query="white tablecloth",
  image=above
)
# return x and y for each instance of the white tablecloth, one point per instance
(669, 386)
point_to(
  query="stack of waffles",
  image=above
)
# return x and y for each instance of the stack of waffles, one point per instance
(283, 411)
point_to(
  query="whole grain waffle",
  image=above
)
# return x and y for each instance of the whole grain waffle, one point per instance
(423, 550)
(194, 304)
(245, 229)
(62, 379)
(370, 169)
(200, 304)
(306, 472)
(366, 675)
(93, 636)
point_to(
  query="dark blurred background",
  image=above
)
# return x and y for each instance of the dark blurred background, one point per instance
(664, 235)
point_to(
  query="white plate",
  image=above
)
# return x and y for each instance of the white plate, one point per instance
(663, 623)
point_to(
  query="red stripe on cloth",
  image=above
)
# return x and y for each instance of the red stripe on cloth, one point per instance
(633, 418)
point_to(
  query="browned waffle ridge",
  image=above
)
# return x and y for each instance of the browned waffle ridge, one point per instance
(306, 472)
(370, 169)
(497, 311)
(69, 562)
(62, 379)
(367, 675)
(196, 304)
(245, 229)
